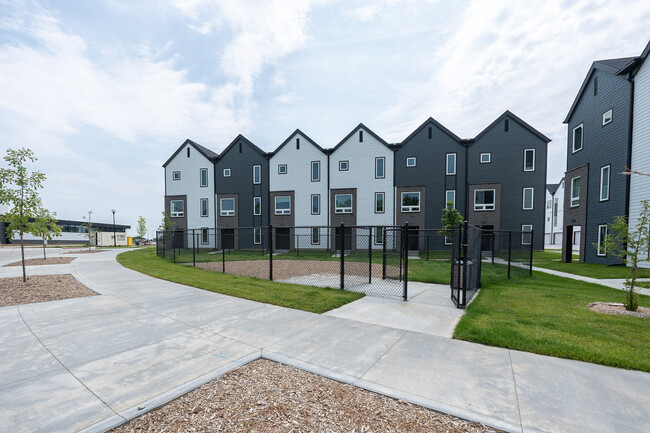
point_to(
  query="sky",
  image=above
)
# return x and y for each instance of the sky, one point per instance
(104, 91)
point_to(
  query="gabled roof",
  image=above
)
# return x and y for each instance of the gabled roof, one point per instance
(241, 138)
(611, 66)
(360, 126)
(552, 187)
(638, 61)
(289, 138)
(202, 150)
(435, 123)
(510, 115)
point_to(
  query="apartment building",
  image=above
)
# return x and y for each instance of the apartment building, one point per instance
(554, 214)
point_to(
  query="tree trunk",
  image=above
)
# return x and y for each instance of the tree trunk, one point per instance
(22, 253)
(44, 258)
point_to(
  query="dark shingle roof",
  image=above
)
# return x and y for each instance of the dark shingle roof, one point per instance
(552, 187)
(202, 150)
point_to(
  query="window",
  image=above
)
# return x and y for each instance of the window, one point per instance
(257, 174)
(227, 206)
(315, 171)
(575, 191)
(506, 125)
(410, 202)
(529, 160)
(204, 207)
(577, 138)
(360, 136)
(226, 172)
(177, 208)
(283, 205)
(526, 235)
(528, 198)
(484, 199)
(205, 236)
(188, 152)
(257, 236)
(176, 175)
(343, 203)
(315, 204)
(344, 165)
(485, 158)
(282, 169)
(315, 236)
(411, 161)
(380, 167)
(555, 204)
(595, 86)
(451, 164)
(450, 198)
(604, 183)
(548, 204)
(607, 117)
(379, 202)
(204, 177)
(430, 132)
(297, 143)
(602, 235)
(379, 235)
(448, 240)
(257, 205)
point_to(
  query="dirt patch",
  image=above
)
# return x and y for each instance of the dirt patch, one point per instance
(615, 308)
(285, 269)
(265, 396)
(41, 288)
(83, 252)
(48, 261)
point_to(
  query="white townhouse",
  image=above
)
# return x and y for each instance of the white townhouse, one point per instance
(189, 191)
(554, 214)
(361, 181)
(298, 176)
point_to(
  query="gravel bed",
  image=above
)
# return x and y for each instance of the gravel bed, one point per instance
(41, 288)
(616, 308)
(265, 396)
(48, 261)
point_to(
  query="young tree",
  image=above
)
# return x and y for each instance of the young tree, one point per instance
(628, 243)
(19, 190)
(142, 227)
(166, 224)
(45, 226)
(450, 218)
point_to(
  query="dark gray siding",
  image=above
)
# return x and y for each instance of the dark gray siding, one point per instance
(602, 145)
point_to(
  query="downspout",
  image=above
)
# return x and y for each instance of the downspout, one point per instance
(466, 182)
(328, 190)
(629, 147)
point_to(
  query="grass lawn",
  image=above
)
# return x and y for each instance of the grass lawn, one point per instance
(549, 315)
(307, 298)
(645, 284)
(551, 260)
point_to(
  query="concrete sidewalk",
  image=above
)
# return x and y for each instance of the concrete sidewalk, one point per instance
(88, 364)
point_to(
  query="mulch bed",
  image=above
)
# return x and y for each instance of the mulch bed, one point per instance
(41, 288)
(48, 261)
(265, 396)
(616, 308)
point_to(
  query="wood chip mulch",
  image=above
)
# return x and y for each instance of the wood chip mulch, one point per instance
(265, 396)
(41, 288)
(48, 261)
(616, 308)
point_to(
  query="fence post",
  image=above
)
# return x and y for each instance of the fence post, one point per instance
(157, 242)
(493, 249)
(383, 254)
(509, 251)
(405, 249)
(271, 252)
(370, 255)
(342, 252)
(195, 238)
(530, 272)
(223, 253)
(428, 237)
(465, 263)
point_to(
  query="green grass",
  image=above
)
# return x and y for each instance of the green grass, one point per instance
(645, 284)
(548, 315)
(307, 298)
(594, 270)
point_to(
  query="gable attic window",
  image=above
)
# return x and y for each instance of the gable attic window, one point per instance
(188, 152)
(595, 86)
(360, 136)
(506, 125)
(297, 143)
(430, 132)
(607, 117)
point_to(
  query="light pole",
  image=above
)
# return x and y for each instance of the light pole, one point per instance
(114, 237)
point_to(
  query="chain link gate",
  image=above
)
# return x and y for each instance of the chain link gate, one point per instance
(466, 263)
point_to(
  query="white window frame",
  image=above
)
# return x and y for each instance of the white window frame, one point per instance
(280, 167)
(603, 252)
(176, 214)
(379, 235)
(259, 168)
(554, 210)
(447, 171)
(411, 161)
(532, 198)
(575, 201)
(525, 153)
(313, 196)
(383, 202)
(453, 200)
(343, 210)
(608, 117)
(282, 211)
(207, 207)
(174, 173)
(317, 179)
(582, 138)
(316, 231)
(255, 200)
(607, 167)
(483, 160)
(383, 160)
(205, 236)
(227, 172)
(524, 231)
(201, 171)
(227, 212)
(485, 206)
(257, 236)
(410, 208)
(347, 165)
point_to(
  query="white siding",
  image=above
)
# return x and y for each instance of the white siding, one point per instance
(190, 185)
(640, 185)
(554, 231)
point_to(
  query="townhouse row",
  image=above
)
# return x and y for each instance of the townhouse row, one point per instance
(496, 180)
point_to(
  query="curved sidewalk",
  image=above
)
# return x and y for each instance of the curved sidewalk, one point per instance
(88, 364)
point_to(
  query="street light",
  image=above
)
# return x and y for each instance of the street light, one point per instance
(114, 237)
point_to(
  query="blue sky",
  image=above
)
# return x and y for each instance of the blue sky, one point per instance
(105, 91)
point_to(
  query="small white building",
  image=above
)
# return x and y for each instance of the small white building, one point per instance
(554, 215)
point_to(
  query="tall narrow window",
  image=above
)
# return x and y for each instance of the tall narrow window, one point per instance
(451, 164)
(240, 147)
(257, 174)
(526, 234)
(283, 205)
(450, 198)
(315, 171)
(379, 202)
(257, 236)
(430, 132)
(205, 236)
(379, 235)
(529, 160)
(604, 183)
(380, 167)
(555, 206)
(577, 138)
(528, 198)
(602, 236)
(188, 152)
(315, 204)
(204, 177)
(315, 236)
(297, 143)
(360, 136)
(257, 205)
(204, 207)
(575, 191)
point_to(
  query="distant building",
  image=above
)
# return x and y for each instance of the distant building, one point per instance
(554, 214)
(72, 232)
